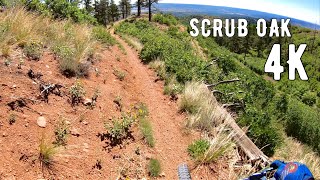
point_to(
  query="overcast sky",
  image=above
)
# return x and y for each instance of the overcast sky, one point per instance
(307, 10)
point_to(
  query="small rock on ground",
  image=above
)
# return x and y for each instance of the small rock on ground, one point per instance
(75, 132)
(42, 122)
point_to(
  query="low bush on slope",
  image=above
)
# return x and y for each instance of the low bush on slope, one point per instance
(286, 104)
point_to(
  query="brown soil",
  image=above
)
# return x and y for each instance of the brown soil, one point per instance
(19, 142)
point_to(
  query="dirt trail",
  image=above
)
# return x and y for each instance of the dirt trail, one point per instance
(167, 122)
(19, 142)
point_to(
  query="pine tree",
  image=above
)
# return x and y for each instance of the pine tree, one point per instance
(101, 11)
(128, 8)
(113, 12)
(148, 4)
(139, 4)
(125, 8)
(87, 5)
(122, 7)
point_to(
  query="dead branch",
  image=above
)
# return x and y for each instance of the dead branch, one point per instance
(223, 82)
(212, 62)
(20, 103)
(217, 91)
(34, 76)
(47, 89)
(232, 105)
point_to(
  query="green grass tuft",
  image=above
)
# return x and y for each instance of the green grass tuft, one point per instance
(154, 168)
(147, 132)
(46, 152)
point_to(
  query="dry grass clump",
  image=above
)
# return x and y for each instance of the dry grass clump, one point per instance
(160, 68)
(133, 42)
(201, 106)
(213, 146)
(73, 44)
(172, 87)
(292, 150)
(217, 153)
(47, 151)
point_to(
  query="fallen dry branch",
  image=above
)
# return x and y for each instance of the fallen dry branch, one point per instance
(217, 91)
(223, 82)
(240, 137)
(34, 76)
(47, 89)
(19, 103)
(232, 105)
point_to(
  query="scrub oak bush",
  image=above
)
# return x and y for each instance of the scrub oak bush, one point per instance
(176, 53)
(261, 130)
(167, 19)
(303, 123)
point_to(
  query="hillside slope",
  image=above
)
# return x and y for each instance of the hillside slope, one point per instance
(85, 155)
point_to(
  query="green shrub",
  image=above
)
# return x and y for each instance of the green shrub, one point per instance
(119, 74)
(119, 129)
(227, 64)
(141, 110)
(147, 132)
(198, 149)
(167, 19)
(303, 124)
(204, 152)
(77, 92)
(261, 130)
(309, 98)
(62, 9)
(33, 50)
(67, 63)
(37, 5)
(101, 34)
(61, 132)
(154, 168)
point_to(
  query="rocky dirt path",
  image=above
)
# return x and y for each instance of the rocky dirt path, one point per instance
(167, 122)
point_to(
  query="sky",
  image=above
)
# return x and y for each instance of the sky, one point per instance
(307, 10)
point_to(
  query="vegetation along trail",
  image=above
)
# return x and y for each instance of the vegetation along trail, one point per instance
(167, 122)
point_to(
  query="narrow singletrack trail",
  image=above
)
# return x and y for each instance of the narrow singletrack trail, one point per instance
(167, 122)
